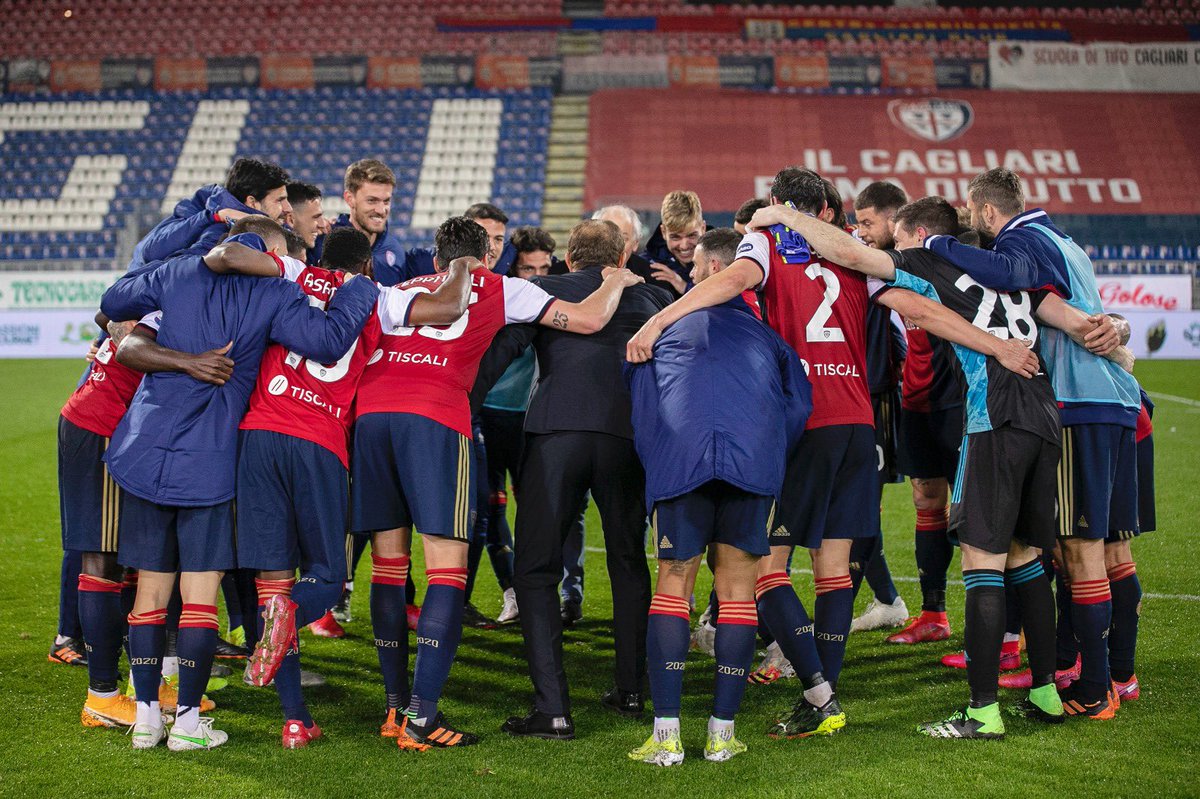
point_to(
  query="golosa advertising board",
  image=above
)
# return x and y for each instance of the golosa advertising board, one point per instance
(1075, 153)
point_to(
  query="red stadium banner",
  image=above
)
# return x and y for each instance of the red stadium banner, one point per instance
(1078, 153)
(502, 72)
(287, 72)
(75, 76)
(180, 74)
(388, 72)
(803, 71)
(694, 70)
(909, 72)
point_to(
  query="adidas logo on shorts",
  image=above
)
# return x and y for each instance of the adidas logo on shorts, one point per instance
(664, 543)
(781, 530)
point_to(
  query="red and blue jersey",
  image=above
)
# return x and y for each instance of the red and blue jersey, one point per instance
(429, 370)
(820, 309)
(299, 397)
(100, 401)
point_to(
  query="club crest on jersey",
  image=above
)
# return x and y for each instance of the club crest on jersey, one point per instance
(932, 119)
(391, 258)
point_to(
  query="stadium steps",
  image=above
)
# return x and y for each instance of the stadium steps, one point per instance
(566, 163)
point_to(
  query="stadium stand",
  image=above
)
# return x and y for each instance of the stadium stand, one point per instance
(93, 172)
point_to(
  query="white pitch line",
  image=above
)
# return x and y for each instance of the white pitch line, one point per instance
(904, 579)
(1172, 398)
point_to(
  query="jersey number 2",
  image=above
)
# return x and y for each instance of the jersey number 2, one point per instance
(816, 329)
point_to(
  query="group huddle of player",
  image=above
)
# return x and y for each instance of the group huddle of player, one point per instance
(323, 376)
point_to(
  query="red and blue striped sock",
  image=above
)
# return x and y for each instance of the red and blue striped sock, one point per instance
(195, 645)
(438, 633)
(1126, 592)
(667, 638)
(390, 625)
(1091, 617)
(734, 649)
(833, 610)
(103, 628)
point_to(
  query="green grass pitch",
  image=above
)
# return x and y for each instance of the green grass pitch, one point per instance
(1150, 749)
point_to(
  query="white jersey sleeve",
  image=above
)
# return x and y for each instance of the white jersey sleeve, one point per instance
(524, 302)
(393, 307)
(292, 268)
(875, 287)
(152, 320)
(756, 246)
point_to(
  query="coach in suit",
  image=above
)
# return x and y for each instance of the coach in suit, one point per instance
(578, 437)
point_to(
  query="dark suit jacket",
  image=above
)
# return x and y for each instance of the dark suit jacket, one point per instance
(580, 386)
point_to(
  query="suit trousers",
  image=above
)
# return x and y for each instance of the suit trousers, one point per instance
(557, 472)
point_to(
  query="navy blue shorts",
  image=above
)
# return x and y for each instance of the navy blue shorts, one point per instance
(714, 513)
(88, 499)
(1098, 483)
(831, 489)
(292, 511)
(409, 471)
(929, 443)
(169, 538)
(1005, 491)
(1147, 518)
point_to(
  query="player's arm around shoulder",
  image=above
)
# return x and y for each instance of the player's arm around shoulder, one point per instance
(318, 335)
(139, 349)
(593, 313)
(929, 315)
(832, 242)
(448, 303)
(740, 276)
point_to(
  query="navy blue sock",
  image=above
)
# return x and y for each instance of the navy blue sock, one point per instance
(197, 639)
(983, 633)
(934, 554)
(128, 594)
(314, 597)
(68, 594)
(879, 576)
(147, 642)
(667, 639)
(247, 594)
(734, 649)
(1091, 616)
(788, 622)
(233, 603)
(475, 549)
(1066, 650)
(862, 550)
(438, 634)
(1126, 607)
(500, 540)
(103, 627)
(389, 622)
(833, 610)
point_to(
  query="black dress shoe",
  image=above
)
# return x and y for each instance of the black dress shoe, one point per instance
(571, 613)
(473, 618)
(627, 703)
(540, 725)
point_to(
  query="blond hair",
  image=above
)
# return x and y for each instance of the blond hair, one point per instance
(368, 170)
(681, 210)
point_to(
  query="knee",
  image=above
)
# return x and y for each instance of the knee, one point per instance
(103, 565)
